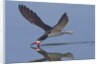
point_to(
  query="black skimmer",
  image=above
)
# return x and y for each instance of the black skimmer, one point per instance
(51, 56)
(33, 18)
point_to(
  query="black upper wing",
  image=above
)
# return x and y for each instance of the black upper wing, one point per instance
(32, 17)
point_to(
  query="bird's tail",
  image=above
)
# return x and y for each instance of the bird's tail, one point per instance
(69, 32)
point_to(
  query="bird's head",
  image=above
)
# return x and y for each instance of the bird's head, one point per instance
(37, 42)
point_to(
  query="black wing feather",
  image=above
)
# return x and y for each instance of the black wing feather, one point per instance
(32, 17)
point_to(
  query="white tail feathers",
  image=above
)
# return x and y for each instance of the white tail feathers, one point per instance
(68, 32)
(60, 33)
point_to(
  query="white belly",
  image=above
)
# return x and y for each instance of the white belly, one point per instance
(56, 34)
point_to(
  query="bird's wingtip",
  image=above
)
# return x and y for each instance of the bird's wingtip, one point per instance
(65, 13)
(21, 5)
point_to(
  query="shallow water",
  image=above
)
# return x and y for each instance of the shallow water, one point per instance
(79, 51)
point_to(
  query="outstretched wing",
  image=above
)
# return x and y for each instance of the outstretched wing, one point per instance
(62, 23)
(32, 17)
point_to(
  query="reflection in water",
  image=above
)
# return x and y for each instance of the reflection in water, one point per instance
(56, 56)
(51, 56)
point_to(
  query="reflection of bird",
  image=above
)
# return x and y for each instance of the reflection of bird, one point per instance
(52, 56)
(59, 56)
(33, 18)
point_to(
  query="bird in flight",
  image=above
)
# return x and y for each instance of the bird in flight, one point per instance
(33, 18)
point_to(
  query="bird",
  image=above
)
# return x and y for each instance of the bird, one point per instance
(34, 19)
(51, 56)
